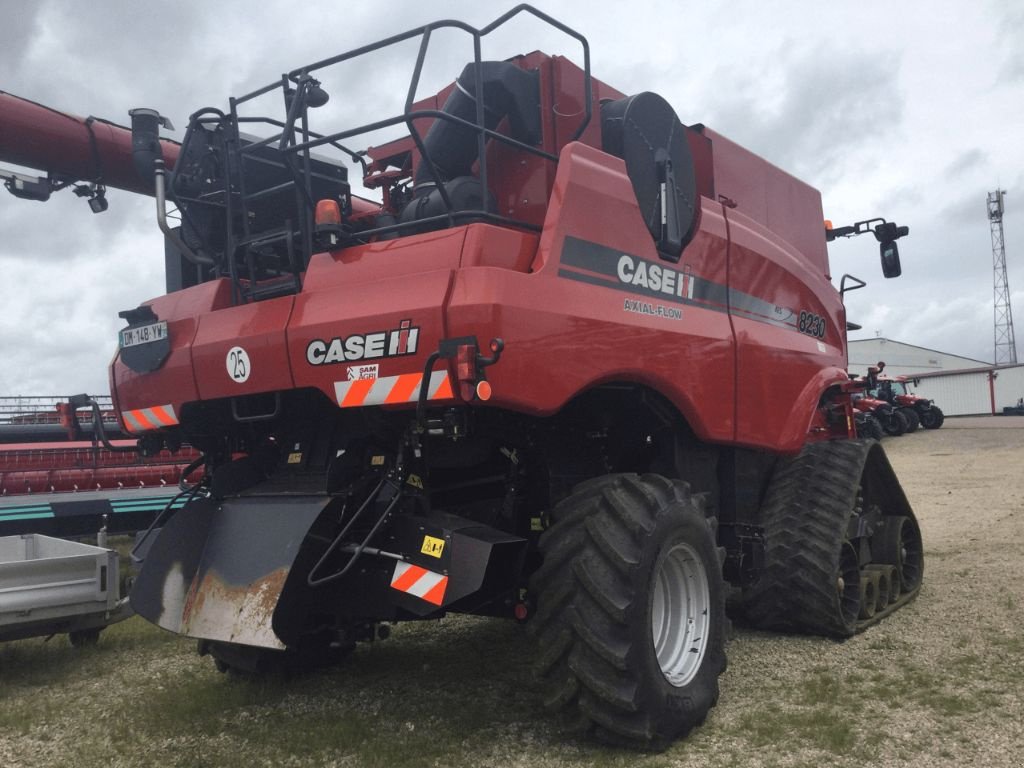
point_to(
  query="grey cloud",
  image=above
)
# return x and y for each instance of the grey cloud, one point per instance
(19, 25)
(965, 162)
(832, 104)
(1010, 36)
(968, 208)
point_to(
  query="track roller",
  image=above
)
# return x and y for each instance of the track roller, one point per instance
(868, 596)
(898, 543)
(888, 579)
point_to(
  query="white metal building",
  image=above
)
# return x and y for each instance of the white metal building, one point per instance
(905, 359)
(960, 386)
(974, 391)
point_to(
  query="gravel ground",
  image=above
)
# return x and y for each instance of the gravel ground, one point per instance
(939, 683)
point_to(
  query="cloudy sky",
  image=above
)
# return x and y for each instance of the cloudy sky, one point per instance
(912, 111)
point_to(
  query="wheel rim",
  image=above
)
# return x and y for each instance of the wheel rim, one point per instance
(680, 614)
(910, 555)
(848, 585)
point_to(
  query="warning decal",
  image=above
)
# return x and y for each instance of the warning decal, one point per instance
(419, 582)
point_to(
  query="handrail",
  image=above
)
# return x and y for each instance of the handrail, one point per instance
(294, 138)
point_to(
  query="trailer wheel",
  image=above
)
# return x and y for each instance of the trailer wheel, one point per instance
(84, 637)
(631, 610)
(933, 418)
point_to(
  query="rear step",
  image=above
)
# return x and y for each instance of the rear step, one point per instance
(831, 516)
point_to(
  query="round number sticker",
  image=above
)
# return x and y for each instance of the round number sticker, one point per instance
(238, 365)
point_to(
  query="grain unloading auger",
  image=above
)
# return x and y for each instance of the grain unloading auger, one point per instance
(580, 365)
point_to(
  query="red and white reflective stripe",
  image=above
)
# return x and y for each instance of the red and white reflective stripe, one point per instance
(144, 419)
(419, 582)
(391, 389)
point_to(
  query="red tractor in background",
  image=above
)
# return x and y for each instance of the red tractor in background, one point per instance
(537, 376)
(891, 419)
(918, 410)
(866, 425)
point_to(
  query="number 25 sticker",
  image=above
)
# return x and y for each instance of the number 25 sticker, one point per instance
(238, 365)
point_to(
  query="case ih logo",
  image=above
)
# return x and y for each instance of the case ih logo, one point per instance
(600, 265)
(364, 346)
(652, 277)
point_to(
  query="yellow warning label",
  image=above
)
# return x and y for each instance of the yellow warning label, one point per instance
(295, 458)
(377, 461)
(431, 546)
(536, 524)
(415, 482)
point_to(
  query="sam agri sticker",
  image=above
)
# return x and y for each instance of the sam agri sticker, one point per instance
(358, 372)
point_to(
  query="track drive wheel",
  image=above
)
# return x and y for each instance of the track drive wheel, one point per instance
(933, 418)
(631, 609)
(835, 521)
(811, 576)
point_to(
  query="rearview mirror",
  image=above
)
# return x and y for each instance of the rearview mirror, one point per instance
(890, 259)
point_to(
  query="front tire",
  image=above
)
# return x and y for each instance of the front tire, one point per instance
(933, 418)
(913, 420)
(631, 610)
(894, 424)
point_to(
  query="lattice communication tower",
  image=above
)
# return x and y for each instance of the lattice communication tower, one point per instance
(1005, 345)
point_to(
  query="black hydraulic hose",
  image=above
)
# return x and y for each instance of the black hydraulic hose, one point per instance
(421, 400)
(100, 431)
(190, 492)
(182, 480)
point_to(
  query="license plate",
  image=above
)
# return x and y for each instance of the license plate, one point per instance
(143, 334)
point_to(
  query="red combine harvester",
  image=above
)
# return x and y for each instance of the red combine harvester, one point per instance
(580, 365)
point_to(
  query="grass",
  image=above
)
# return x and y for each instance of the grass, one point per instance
(459, 692)
(933, 685)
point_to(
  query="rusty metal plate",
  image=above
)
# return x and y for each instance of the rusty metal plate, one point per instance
(217, 569)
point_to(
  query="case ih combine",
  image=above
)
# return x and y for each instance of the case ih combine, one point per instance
(580, 366)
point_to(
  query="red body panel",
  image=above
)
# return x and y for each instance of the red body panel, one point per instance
(868, 404)
(563, 335)
(779, 201)
(775, 361)
(175, 382)
(746, 320)
(259, 329)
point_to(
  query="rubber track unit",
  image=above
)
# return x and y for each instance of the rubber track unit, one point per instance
(806, 517)
(593, 619)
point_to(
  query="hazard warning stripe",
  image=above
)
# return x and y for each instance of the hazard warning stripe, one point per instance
(144, 419)
(389, 390)
(419, 582)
